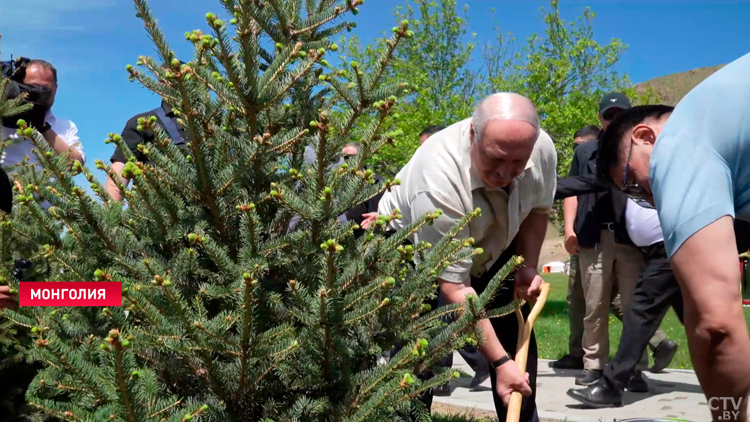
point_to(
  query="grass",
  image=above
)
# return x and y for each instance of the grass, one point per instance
(552, 328)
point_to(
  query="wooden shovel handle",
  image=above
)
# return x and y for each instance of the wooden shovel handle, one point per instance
(522, 352)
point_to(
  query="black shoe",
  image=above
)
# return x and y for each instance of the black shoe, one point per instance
(637, 384)
(663, 355)
(479, 378)
(598, 395)
(567, 362)
(589, 376)
(442, 390)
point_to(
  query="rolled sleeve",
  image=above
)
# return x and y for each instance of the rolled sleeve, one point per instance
(428, 202)
(689, 194)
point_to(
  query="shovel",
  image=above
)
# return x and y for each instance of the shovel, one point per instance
(522, 350)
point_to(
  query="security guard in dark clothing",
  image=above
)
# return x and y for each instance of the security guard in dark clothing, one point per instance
(133, 137)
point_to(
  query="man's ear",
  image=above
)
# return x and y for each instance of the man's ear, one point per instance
(643, 134)
(471, 132)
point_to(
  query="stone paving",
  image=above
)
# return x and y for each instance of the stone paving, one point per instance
(675, 394)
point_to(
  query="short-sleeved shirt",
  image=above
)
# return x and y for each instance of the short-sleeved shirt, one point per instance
(16, 152)
(700, 164)
(133, 137)
(440, 176)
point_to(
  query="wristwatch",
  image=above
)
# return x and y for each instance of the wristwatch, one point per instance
(500, 361)
(45, 127)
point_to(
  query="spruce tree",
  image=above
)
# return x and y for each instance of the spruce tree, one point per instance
(229, 313)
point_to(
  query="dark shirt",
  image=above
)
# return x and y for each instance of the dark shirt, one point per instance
(132, 136)
(601, 207)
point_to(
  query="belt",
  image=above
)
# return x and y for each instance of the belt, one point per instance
(608, 226)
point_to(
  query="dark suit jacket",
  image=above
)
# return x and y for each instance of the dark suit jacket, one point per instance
(596, 201)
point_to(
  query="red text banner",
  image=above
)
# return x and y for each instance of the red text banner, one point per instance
(70, 293)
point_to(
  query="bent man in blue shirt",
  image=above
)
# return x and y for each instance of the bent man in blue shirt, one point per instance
(693, 164)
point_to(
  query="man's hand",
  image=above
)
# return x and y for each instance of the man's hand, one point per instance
(368, 219)
(528, 283)
(7, 299)
(571, 242)
(508, 379)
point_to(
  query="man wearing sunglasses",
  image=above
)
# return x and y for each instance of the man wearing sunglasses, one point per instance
(695, 168)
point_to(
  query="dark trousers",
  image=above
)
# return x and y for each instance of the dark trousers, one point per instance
(506, 329)
(470, 353)
(656, 291)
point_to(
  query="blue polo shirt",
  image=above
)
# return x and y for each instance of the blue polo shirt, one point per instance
(700, 164)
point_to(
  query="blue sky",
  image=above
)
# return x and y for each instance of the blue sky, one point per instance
(91, 41)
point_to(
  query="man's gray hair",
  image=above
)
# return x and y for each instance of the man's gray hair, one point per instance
(504, 106)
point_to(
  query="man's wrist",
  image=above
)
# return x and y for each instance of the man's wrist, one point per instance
(500, 362)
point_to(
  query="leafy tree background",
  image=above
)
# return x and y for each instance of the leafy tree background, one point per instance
(563, 70)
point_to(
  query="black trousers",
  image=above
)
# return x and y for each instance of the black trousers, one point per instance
(470, 353)
(656, 291)
(506, 329)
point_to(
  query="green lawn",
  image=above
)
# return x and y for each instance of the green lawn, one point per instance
(552, 326)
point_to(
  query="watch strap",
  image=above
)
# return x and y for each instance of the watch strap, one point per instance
(500, 361)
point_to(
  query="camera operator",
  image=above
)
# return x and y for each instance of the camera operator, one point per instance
(38, 79)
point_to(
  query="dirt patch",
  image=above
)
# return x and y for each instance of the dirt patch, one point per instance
(469, 412)
(447, 409)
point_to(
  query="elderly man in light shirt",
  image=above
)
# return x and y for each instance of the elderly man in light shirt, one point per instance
(502, 162)
(61, 134)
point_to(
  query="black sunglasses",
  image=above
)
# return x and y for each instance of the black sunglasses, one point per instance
(633, 190)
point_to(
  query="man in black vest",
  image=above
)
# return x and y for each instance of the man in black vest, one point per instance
(133, 137)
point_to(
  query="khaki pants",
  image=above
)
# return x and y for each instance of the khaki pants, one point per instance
(602, 268)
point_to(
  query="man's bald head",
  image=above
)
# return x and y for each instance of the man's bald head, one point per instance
(504, 106)
(505, 127)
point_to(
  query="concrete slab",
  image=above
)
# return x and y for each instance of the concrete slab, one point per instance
(675, 394)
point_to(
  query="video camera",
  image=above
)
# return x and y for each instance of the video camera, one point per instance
(15, 70)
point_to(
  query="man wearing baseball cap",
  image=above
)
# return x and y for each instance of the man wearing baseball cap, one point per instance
(610, 106)
(595, 228)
